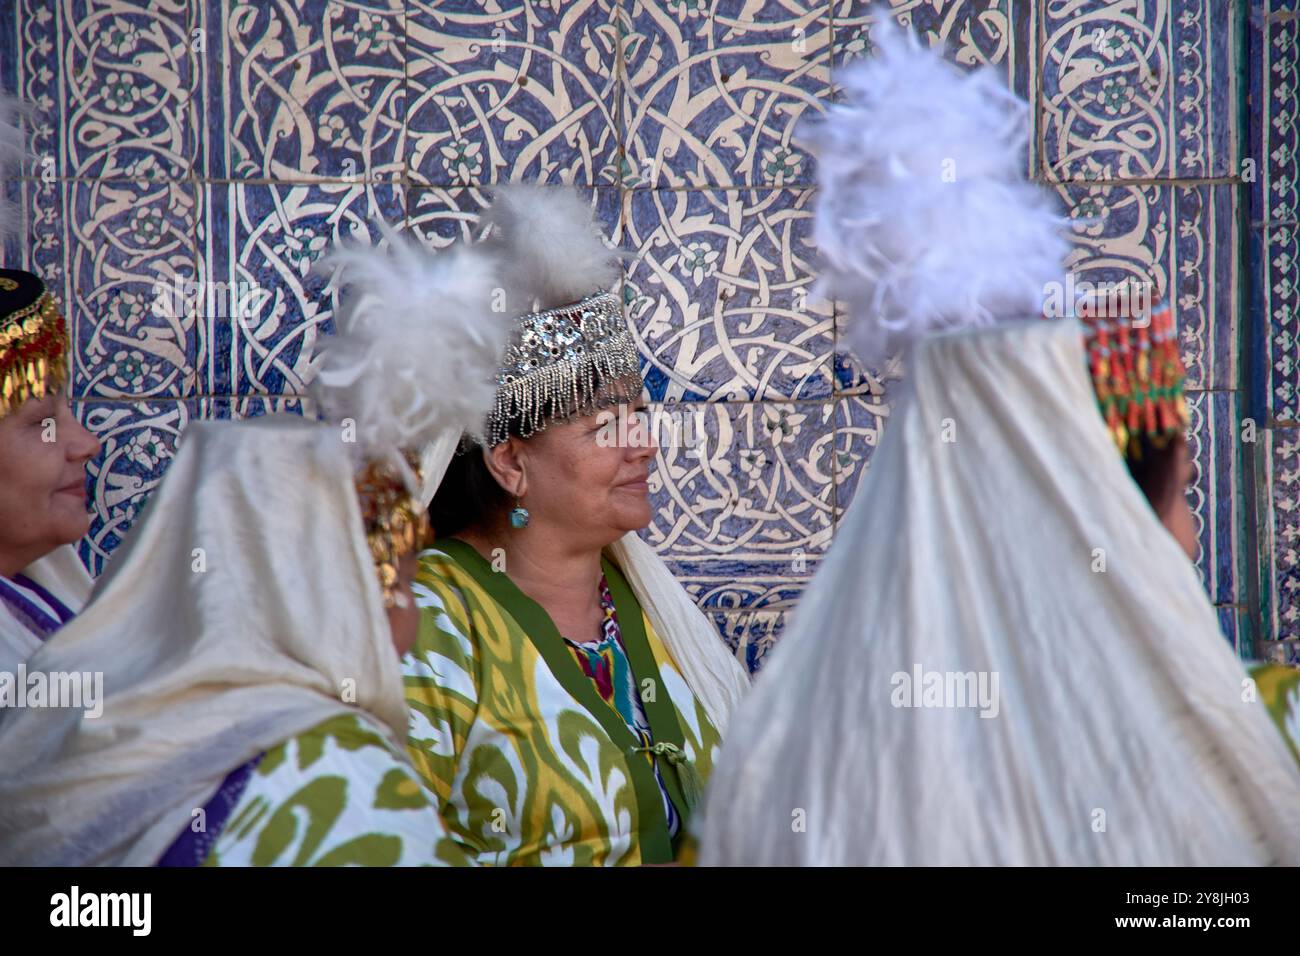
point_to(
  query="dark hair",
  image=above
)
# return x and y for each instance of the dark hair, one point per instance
(1157, 469)
(469, 496)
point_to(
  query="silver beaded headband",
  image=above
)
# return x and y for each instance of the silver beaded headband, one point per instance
(562, 363)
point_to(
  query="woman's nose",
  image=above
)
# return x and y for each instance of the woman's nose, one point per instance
(643, 443)
(82, 445)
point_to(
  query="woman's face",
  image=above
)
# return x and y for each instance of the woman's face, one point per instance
(588, 477)
(43, 455)
(403, 615)
(1176, 513)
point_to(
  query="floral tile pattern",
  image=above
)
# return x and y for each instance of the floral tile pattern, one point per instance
(860, 423)
(306, 91)
(1285, 522)
(268, 302)
(1275, 137)
(720, 295)
(138, 440)
(742, 498)
(973, 34)
(1134, 91)
(713, 92)
(254, 406)
(507, 90)
(131, 253)
(1274, 401)
(127, 104)
(750, 634)
(1213, 442)
(441, 216)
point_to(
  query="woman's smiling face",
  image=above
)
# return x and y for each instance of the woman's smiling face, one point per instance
(43, 455)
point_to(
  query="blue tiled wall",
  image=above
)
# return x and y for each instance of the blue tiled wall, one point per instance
(233, 142)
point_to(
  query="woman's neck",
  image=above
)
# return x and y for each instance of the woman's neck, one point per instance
(558, 575)
(12, 565)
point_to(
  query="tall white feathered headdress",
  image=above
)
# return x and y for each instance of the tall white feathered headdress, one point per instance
(924, 218)
(13, 152)
(416, 346)
(411, 366)
(551, 250)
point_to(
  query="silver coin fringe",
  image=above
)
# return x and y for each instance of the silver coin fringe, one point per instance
(607, 375)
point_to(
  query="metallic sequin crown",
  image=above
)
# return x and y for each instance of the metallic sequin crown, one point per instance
(565, 362)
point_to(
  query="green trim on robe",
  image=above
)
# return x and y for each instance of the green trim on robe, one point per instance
(1278, 687)
(531, 765)
(664, 726)
(545, 636)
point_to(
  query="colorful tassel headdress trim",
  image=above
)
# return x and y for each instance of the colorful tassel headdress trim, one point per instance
(1138, 376)
(33, 335)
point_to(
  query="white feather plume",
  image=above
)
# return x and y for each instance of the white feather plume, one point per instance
(924, 218)
(14, 151)
(551, 252)
(416, 349)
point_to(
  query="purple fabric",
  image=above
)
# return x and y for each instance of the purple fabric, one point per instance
(191, 848)
(40, 623)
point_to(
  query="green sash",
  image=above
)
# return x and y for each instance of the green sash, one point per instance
(656, 847)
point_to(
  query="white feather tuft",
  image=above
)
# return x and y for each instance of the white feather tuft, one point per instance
(14, 152)
(925, 221)
(416, 349)
(551, 253)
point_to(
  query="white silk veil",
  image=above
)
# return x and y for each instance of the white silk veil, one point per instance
(243, 609)
(62, 574)
(997, 532)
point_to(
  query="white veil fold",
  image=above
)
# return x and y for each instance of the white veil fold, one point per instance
(1121, 736)
(62, 574)
(233, 617)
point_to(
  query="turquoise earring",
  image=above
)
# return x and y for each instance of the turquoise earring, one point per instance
(519, 516)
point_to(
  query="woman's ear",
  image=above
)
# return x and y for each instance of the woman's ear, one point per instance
(505, 464)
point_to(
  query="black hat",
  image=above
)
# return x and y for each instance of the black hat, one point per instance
(33, 337)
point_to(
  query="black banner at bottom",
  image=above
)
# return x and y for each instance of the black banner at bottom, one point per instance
(336, 906)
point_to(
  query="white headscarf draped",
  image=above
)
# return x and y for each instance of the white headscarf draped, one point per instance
(243, 609)
(1121, 736)
(62, 574)
(715, 677)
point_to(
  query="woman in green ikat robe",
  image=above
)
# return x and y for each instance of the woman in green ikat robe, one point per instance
(567, 697)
